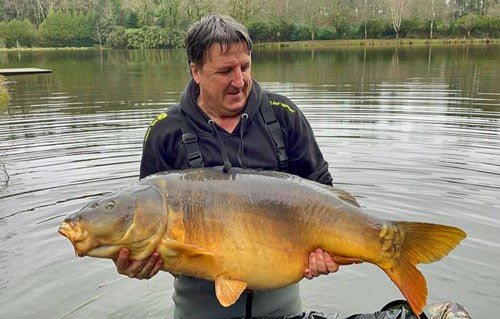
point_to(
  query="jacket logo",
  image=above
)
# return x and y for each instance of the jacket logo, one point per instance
(284, 105)
(160, 117)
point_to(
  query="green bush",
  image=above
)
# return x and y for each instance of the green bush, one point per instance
(260, 31)
(477, 26)
(388, 32)
(153, 37)
(326, 33)
(133, 20)
(3, 34)
(495, 27)
(374, 29)
(67, 28)
(298, 32)
(489, 27)
(118, 38)
(442, 29)
(345, 31)
(267, 31)
(414, 28)
(21, 33)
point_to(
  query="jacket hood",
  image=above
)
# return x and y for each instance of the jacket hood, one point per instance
(199, 119)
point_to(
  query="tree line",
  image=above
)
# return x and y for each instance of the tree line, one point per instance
(163, 23)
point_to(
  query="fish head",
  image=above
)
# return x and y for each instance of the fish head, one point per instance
(132, 217)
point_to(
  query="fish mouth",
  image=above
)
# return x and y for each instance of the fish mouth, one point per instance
(83, 244)
(76, 235)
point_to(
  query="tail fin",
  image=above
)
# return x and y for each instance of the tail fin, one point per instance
(422, 243)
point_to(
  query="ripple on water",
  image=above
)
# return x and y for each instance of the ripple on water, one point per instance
(409, 145)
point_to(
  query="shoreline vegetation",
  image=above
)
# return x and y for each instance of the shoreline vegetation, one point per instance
(162, 24)
(306, 44)
(373, 42)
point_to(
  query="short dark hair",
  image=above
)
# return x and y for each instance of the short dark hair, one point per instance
(214, 28)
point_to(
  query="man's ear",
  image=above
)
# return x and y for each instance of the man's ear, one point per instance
(195, 73)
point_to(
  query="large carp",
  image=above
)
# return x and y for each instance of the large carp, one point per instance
(249, 229)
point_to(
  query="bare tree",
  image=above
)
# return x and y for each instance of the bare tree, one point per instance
(105, 20)
(397, 9)
(17, 9)
(363, 11)
(38, 11)
(195, 9)
(316, 13)
(431, 11)
(168, 13)
(479, 7)
(244, 10)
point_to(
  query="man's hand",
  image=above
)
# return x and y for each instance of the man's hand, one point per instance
(320, 263)
(139, 269)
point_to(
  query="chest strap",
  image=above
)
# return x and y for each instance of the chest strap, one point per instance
(190, 140)
(274, 129)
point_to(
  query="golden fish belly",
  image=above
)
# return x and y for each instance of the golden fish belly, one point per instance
(253, 250)
(260, 235)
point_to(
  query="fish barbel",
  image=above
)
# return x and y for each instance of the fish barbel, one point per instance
(237, 228)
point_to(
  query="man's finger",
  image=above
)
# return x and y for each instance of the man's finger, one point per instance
(320, 262)
(157, 267)
(313, 267)
(122, 262)
(308, 274)
(331, 265)
(145, 272)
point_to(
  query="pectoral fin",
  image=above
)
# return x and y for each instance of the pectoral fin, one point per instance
(228, 290)
(169, 247)
(346, 260)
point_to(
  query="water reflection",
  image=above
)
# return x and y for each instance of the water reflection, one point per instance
(413, 132)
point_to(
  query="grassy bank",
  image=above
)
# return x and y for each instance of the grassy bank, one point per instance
(4, 94)
(313, 44)
(374, 42)
(50, 49)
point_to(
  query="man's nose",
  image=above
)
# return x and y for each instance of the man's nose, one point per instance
(237, 80)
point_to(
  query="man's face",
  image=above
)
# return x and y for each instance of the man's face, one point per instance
(225, 80)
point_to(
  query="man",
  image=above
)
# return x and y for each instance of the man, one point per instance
(225, 118)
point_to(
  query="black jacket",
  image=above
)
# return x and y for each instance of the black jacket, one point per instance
(249, 145)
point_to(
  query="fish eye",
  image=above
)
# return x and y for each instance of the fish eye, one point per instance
(93, 205)
(110, 205)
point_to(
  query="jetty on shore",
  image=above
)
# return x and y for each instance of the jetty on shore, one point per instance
(21, 71)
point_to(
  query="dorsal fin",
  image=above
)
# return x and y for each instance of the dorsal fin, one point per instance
(345, 196)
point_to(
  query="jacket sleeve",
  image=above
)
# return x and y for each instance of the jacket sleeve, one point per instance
(304, 155)
(159, 148)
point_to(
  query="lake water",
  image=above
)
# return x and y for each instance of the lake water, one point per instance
(412, 132)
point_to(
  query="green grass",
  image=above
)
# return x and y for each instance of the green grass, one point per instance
(50, 49)
(312, 44)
